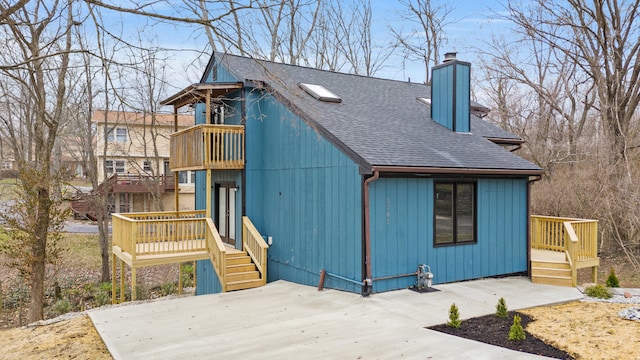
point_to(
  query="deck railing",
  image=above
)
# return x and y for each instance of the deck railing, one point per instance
(255, 246)
(578, 237)
(170, 232)
(206, 146)
(175, 232)
(217, 253)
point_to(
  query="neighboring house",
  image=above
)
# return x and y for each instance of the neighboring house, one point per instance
(136, 160)
(361, 177)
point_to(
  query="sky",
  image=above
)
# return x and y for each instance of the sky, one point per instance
(472, 22)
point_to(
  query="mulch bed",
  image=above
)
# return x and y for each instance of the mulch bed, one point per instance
(493, 330)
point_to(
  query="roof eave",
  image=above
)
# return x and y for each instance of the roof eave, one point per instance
(196, 93)
(455, 171)
(505, 141)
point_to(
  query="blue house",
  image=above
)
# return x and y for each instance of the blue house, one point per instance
(360, 178)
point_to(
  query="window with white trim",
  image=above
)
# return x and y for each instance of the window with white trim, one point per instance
(116, 166)
(186, 177)
(118, 134)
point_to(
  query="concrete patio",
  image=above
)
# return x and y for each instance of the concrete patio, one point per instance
(289, 321)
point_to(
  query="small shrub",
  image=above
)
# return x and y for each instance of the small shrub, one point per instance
(598, 291)
(103, 294)
(516, 332)
(501, 309)
(61, 306)
(612, 280)
(454, 317)
(187, 275)
(168, 289)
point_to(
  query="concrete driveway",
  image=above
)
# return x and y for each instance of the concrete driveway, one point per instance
(289, 321)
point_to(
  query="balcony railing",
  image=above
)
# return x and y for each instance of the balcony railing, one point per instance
(202, 147)
(131, 183)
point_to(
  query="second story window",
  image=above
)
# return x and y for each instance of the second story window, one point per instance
(117, 135)
(146, 166)
(116, 166)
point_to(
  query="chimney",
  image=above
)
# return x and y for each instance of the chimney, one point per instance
(451, 93)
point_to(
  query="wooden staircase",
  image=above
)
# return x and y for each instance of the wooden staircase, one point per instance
(551, 272)
(241, 273)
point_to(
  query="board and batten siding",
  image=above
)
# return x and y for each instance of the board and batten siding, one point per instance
(305, 194)
(402, 232)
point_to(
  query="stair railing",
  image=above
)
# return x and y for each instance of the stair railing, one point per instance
(571, 243)
(217, 253)
(255, 246)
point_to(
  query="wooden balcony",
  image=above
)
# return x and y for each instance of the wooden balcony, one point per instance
(561, 246)
(202, 147)
(130, 183)
(146, 239)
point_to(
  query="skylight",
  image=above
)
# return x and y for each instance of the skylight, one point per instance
(425, 101)
(320, 92)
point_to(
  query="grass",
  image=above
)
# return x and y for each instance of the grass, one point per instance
(81, 250)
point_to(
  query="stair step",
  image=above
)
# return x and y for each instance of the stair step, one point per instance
(239, 276)
(543, 271)
(237, 260)
(550, 264)
(236, 254)
(232, 269)
(243, 284)
(552, 280)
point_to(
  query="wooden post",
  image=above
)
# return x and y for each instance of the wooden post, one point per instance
(133, 283)
(122, 281)
(194, 274)
(179, 279)
(114, 283)
(176, 184)
(594, 274)
(208, 194)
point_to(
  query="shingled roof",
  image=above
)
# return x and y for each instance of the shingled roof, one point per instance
(380, 122)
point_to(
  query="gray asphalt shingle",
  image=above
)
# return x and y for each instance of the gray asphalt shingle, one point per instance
(381, 120)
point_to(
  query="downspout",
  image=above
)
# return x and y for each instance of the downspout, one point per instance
(367, 282)
(529, 182)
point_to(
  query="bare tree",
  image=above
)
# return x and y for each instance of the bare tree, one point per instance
(424, 42)
(602, 39)
(41, 35)
(540, 95)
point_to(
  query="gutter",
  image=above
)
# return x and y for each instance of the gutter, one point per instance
(529, 182)
(455, 171)
(367, 282)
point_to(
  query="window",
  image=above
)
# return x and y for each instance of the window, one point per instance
(186, 177)
(455, 213)
(117, 134)
(6, 165)
(320, 92)
(146, 166)
(114, 165)
(218, 113)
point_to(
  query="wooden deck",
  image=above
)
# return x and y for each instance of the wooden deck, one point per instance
(207, 147)
(148, 239)
(562, 246)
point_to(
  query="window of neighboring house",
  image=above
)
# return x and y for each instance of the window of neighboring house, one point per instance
(186, 177)
(117, 134)
(218, 113)
(455, 213)
(116, 166)
(6, 165)
(146, 166)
